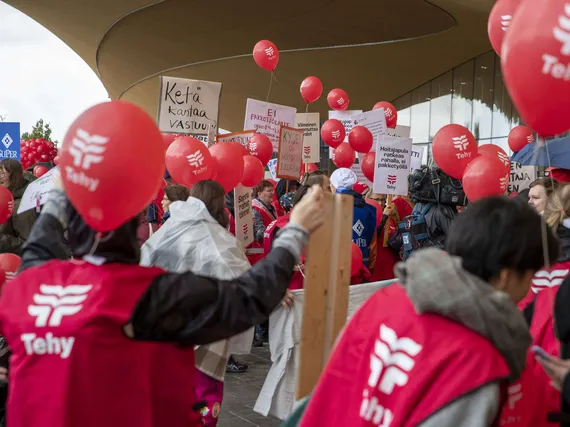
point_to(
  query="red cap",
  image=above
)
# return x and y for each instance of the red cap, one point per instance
(360, 187)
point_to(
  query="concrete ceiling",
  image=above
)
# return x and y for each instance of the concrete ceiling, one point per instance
(374, 49)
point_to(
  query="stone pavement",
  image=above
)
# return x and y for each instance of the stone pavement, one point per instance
(241, 391)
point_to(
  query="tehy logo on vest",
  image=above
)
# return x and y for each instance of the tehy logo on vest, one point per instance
(50, 305)
(7, 141)
(514, 395)
(505, 22)
(547, 279)
(86, 150)
(561, 33)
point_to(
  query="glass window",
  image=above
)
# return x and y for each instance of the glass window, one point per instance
(441, 88)
(420, 113)
(403, 106)
(462, 101)
(483, 95)
(502, 105)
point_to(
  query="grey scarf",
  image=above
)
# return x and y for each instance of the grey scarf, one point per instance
(436, 283)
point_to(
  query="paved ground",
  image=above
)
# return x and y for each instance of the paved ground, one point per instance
(241, 391)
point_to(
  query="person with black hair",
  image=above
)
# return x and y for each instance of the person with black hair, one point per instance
(438, 348)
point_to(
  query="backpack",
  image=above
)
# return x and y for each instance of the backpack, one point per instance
(414, 231)
(435, 186)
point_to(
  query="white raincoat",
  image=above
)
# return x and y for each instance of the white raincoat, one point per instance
(192, 240)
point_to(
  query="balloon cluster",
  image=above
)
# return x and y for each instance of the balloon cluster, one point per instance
(33, 151)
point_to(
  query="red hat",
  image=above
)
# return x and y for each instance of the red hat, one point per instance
(559, 174)
(360, 187)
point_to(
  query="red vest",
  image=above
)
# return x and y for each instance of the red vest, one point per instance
(71, 364)
(255, 251)
(546, 278)
(396, 368)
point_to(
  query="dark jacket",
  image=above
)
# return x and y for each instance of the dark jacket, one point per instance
(438, 220)
(15, 231)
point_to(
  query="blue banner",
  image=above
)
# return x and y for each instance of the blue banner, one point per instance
(10, 140)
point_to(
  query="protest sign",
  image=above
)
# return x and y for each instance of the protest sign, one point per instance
(400, 131)
(188, 106)
(357, 169)
(346, 118)
(392, 165)
(374, 121)
(521, 177)
(290, 154)
(417, 157)
(310, 123)
(244, 215)
(266, 118)
(272, 166)
(37, 191)
(241, 137)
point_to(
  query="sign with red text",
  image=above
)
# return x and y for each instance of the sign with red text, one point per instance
(266, 118)
(244, 215)
(188, 106)
(290, 153)
(392, 165)
(310, 124)
(241, 137)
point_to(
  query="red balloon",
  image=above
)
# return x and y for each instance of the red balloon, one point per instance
(519, 137)
(261, 147)
(244, 151)
(40, 170)
(9, 264)
(189, 161)
(108, 148)
(230, 164)
(498, 153)
(168, 138)
(453, 148)
(6, 204)
(311, 89)
(311, 168)
(338, 99)
(390, 113)
(379, 210)
(360, 139)
(485, 176)
(40, 149)
(56, 160)
(333, 132)
(266, 55)
(356, 261)
(50, 144)
(499, 21)
(253, 171)
(368, 165)
(534, 63)
(344, 156)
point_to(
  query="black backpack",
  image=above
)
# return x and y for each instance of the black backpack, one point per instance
(432, 185)
(414, 231)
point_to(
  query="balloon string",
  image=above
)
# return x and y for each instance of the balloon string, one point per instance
(307, 113)
(98, 239)
(270, 82)
(544, 231)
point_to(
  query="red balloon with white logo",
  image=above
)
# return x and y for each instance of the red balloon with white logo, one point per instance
(454, 146)
(519, 137)
(108, 148)
(189, 161)
(496, 152)
(485, 176)
(390, 113)
(261, 147)
(9, 266)
(266, 55)
(343, 156)
(6, 204)
(168, 138)
(40, 170)
(230, 164)
(333, 132)
(368, 165)
(253, 171)
(499, 21)
(360, 139)
(535, 63)
(338, 99)
(311, 89)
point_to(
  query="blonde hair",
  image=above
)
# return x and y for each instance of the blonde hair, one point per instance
(557, 207)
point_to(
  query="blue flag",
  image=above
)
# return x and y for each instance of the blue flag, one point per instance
(10, 139)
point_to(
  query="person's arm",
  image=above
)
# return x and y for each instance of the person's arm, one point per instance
(373, 250)
(258, 226)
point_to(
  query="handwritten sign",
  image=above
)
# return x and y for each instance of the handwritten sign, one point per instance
(521, 177)
(417, 157)
(188, 106)
(266, 118)
(290, 154)
(310, 123)
(392, 165)
(346, 118)
(241, 137)
(244, 215)
(38, 191)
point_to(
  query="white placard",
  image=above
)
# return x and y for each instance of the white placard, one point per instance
(266, 118)
(241, 137)
(310, 123)
(346, 118)
(357, 169)
(521, 177)
(272, 166)
(400, 131)
(38, 189)
(188, 106)
(244, 214)
(392, 165)
(375, 122)
(290, 155)
(417, 157)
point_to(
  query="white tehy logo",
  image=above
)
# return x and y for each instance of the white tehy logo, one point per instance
(505, 21)
(86, 149)
(7, 141)
(358, 227)
(530, 138)
(547, 279)
(514, 395)
(335, 134)
(562, 32)
(195, 159)
(504, 158)
(253, 147)
(55, 301)
(504, 183)
(388, 112)
(269, 51)
(340, 101)
(392, 360)
(460, 142)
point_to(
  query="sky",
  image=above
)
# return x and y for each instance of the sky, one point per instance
(41, 77)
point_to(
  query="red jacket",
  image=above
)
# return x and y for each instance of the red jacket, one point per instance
(72, 366)
(395, 368)
(255, 252)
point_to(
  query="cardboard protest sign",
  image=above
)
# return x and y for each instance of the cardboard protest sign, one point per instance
(521, 177)
(392, 165)
(241, 137)
(290, 154)
(266, 118)
(244, 214)
(188, 106)
(346, 118)
(416, 158)
(310, 123)
(38, 191)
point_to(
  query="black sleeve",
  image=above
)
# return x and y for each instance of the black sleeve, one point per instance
(44, 243)
(382, 223)
(196, 310)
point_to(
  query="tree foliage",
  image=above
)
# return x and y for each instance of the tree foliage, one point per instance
(40, 130)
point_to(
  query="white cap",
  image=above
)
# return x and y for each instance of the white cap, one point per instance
(343, 179)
